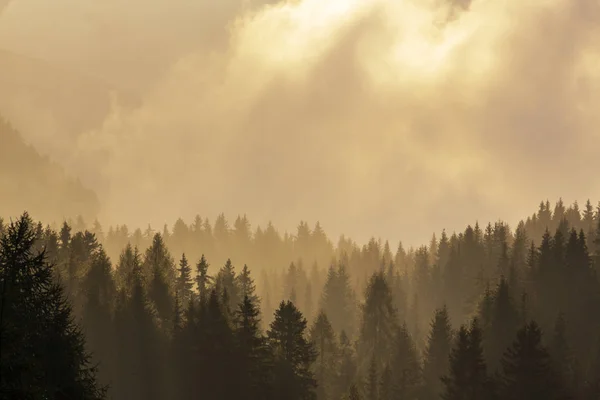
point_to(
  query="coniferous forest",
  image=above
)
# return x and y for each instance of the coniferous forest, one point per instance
(219, 311)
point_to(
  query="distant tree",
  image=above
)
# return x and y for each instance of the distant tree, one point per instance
(128, 260)
(437, 352)
(503, 325)
(184, 281)
(100, 293)
(405, 367)
(338, 300)
(227, 285)
(324, 342)
(308, 302)
(203, 280)
(42, 352)
(346, 374)
(379, 322)
(159, 269)
(246, 285)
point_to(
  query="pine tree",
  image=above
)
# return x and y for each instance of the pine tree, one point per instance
(253, 358)
(526, 369)
(246, 285)
(437, 353)
(405, 367)
(338, 299)
(347, 365)
(203, 280)
(128, 259)
(294, 355)
(227, 284)
(159, 293)
(41, 350)
(467, 377)
(379, 322)
(159, 271)
(324, 341)
(184, 280)
(140, 345)
(100, 291)
(215, 347)
(503, 326)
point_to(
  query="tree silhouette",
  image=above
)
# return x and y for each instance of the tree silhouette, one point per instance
(41, 349)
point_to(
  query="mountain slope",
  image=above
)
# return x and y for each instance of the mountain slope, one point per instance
(30, 181)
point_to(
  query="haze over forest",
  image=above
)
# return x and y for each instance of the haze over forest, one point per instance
(374, 118)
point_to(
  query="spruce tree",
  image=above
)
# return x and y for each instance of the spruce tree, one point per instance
(252, 355)
(42, 351)
(527, 372)
(347, 365)
(140, 345)
(203, 280)
(294, 355)
(379, 321)
(467, 377)
(128, 259)
(184, 281)
(100, 291)
(227, 285)
(437, 353)
(159, 271)
(246, 285)
(324, 341)
(215, 350)
(338, 300)
(405, 367)
(503, 325)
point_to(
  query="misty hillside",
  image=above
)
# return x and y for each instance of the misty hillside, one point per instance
(172, 316)
(41, 185)
(71, 102)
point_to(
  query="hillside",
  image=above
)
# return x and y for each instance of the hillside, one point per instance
(30, 181)
(70, 101)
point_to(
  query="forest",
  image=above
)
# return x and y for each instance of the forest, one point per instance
(213, 311)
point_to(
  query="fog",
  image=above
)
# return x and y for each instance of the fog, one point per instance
(384, 117)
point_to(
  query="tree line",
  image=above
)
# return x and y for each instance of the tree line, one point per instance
(489, 313)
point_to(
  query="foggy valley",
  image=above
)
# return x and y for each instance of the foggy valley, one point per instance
(299, 199)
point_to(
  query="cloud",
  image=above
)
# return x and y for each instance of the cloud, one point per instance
(387, 117)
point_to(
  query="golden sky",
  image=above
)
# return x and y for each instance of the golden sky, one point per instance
(391, 118)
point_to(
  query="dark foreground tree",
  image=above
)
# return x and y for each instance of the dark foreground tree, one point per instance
(527, 372)
(253, 358)
(467, 378)
(293, 353)
(42, 353)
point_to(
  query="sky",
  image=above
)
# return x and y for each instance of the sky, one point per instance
(386, 118)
